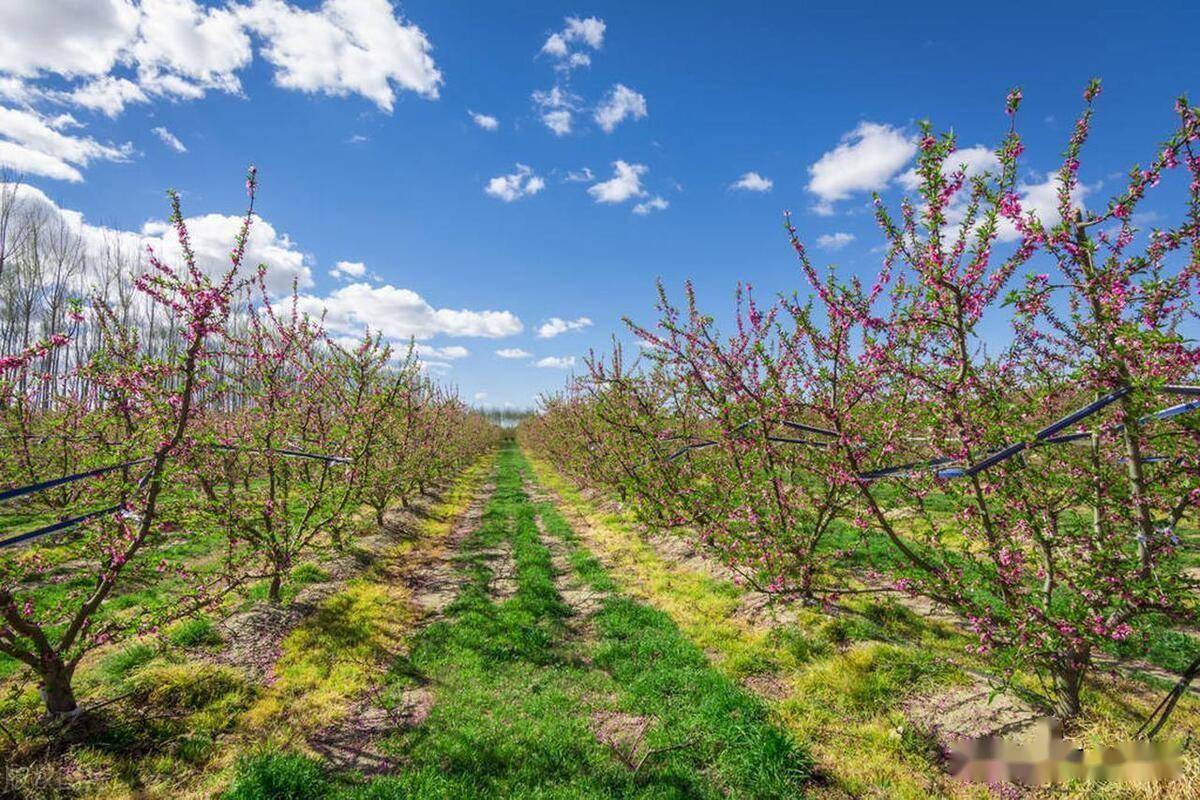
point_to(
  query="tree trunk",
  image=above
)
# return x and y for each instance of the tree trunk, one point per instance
(276, 585)
(1068, 676)
(57, 692)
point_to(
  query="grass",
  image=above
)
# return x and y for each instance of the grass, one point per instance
(180, 723)
(518, 685)
(846, 679)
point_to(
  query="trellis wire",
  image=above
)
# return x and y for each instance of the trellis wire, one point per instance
(1046, 436)
(71, 522)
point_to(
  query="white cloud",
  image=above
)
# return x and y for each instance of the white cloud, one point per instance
(67, 37)
(480, 396)
(590, 31)
(400, 314)
(621, 103)
(169, 139)
(36, 145)
(513, 352)
(976, 160)
(33, 162)
(865, 160)
(753, 182)
(580, 176)
(556, 362)
(16, 90)
(212, 237)
(625, 184)
(105, 94)
(185, 49)
(485, 121)
(834, 241)
(587, 32)
(348, 269)
(522, 183)
(1041, 198)
(655, 203)
(450, 352)
(345, 47)
(556, 325)
(558, 121)
(557, 108)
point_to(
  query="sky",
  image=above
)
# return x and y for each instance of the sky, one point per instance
(505, 181)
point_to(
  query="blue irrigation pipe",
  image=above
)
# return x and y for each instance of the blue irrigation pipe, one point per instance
(57, 526)
(34, 488)
(800, 426)
(1083, 413)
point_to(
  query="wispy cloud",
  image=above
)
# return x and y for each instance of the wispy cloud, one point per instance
(655, 203)
(169, 139)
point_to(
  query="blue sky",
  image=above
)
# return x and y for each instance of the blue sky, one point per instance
(358, 114)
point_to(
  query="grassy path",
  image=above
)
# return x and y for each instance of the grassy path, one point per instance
(547, 682)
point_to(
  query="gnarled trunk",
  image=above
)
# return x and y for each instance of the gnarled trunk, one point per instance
(57, 692)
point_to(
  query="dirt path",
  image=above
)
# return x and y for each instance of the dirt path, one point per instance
(429, 574)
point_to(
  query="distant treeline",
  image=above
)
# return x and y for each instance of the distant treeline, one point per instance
(505, 417)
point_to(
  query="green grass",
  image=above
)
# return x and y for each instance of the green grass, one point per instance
(518, 688)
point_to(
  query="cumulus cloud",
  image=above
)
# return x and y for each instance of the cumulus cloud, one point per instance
(580, 176)
(557, 108)
(522, 183)
(558, 121)
(169, 139)
(36, 144)
(104, 55)
(346, 270)
(556, 362)
(556, 325)
(66, 37)
(182, 49)
(1040, 198)
(401, 314)
(345, 47)
(752, 182)
(485, 121)
(974, 160)
(626, 183)
(620, 103)
(655, 203)
(480, 396)
(834, 241)
(513, 352)
(865, 160)
(105, 94)
(564, 45)
(213, 235)
(185, 49)
(450, 352)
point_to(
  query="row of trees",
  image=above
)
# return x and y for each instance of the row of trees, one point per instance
(195, 405)
(898, 436)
